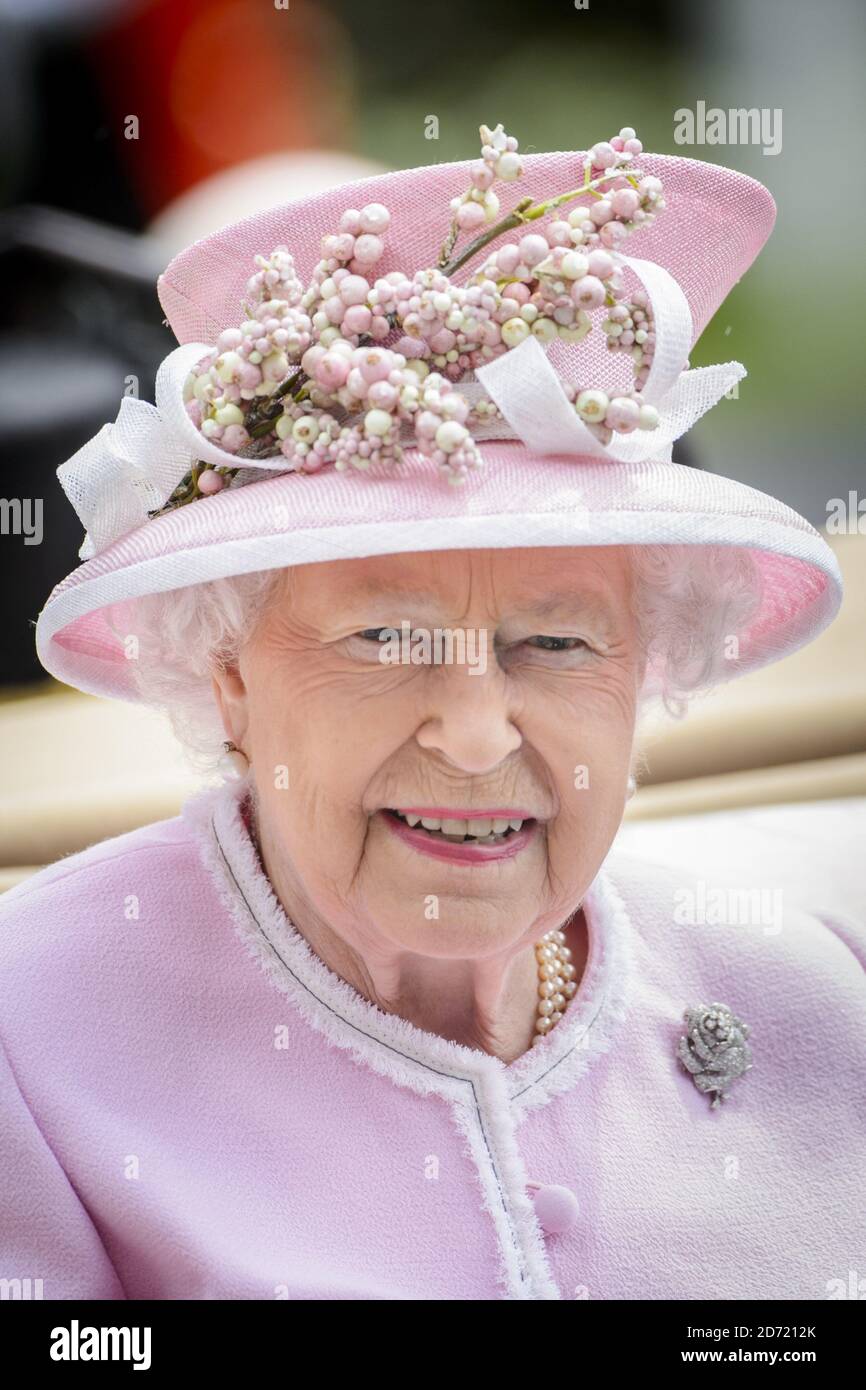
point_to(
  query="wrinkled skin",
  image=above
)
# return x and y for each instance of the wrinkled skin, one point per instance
(559, 693)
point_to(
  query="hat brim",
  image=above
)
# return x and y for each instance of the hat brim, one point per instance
(518, 500)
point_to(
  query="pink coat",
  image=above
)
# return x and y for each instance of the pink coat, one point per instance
(194, 1106)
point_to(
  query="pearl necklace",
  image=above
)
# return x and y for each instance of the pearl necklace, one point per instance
(556, 984)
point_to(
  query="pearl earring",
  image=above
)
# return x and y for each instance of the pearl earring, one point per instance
(233, 764)
(631, 788)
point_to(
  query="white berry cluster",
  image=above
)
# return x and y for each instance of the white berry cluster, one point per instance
(499, 160)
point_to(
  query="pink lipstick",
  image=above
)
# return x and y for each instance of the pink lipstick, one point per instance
(468, 852)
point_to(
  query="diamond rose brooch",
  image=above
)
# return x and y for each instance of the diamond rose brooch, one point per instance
(714, 1051)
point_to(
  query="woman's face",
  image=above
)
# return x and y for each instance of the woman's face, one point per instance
(533, 718)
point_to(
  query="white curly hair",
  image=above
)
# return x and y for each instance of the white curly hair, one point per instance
(690, 601)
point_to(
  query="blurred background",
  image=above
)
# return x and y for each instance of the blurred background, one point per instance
(133, 127)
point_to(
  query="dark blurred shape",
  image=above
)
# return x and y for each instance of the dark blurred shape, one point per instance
(81, 327)
(58, 146)
(684, 452)
(80, 243)
(397, 44)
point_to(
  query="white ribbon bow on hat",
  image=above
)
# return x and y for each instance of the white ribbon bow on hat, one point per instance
(529, 393)
(131, 468)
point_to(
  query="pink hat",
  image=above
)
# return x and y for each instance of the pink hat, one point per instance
(557, 437)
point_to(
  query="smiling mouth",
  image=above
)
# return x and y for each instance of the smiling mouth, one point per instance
(483, 830)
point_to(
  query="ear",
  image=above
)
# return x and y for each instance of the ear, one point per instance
(230, 695)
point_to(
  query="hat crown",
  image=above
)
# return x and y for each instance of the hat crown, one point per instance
(715, 222)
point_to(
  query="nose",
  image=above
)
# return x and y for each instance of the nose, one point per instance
(470, 718)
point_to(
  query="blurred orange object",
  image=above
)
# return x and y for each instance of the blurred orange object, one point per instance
(213, 83)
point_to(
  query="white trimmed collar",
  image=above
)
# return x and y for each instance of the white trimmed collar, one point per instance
(391, 1045)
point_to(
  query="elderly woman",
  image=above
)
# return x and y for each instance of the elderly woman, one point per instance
(384, 1015)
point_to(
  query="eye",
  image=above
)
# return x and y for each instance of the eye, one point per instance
(558, 644)
(543, 650)
(369, 645)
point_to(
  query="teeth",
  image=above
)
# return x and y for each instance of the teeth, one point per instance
(479, 827)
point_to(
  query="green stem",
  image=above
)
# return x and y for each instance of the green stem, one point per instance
(541, 208)
(514, 219)
(527, 212)
(263, 426)
(288, 384)
(267, 416)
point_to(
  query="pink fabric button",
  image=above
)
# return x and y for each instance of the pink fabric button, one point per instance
(556, 1207)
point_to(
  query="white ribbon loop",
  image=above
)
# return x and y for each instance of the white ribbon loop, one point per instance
(169, 402)
(127, 470)
(530, 395)
(672, 325)
(132, 467)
